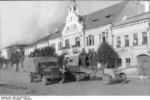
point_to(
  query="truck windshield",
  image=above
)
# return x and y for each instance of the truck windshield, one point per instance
(47, 64)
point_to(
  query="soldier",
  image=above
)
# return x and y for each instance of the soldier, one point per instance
(94, 58)
(83, 57)
(64, 70)
(15, 57)
(1, 60)
(90, 57)
(80, 59)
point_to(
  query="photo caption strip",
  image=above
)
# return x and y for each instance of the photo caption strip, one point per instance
(16, 98)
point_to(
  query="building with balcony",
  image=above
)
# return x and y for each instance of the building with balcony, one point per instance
(131, 38)
(125, 26)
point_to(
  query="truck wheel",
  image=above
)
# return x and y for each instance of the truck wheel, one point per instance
(77, 77)
(123, 76)
(83, 75)
(31, 77)
(44, 80)
(107, 79)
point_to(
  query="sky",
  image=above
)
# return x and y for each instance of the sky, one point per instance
(23, 22)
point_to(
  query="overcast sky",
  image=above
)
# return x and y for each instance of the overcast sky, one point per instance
(27, 21)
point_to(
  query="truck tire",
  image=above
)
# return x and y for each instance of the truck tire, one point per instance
(107, 79)
(44, 80)
(77, 76)
(31, 77)
(123, 76)
(83, 75)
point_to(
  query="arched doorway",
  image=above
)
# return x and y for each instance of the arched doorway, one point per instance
(144, 64)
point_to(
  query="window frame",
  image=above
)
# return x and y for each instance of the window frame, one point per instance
(126, 38)
(144, 36)
(135, 38)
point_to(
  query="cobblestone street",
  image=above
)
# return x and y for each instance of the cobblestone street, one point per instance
(94, 87)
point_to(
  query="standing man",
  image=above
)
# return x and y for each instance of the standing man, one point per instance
(1, 60)
(84, 57)
(80, 59)
(15, 59)
(90, 57)
(64, 70)
(94, 58)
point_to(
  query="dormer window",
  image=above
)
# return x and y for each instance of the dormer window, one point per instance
(108, 16)
(95, 20)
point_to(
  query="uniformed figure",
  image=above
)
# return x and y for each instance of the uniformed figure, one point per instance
(1, 60)
(90, 57)
(80, 59)
(94, 58)
(84, 57)
(15, 58)
(64, 70)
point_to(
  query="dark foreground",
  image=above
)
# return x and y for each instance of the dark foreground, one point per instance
(92, 87)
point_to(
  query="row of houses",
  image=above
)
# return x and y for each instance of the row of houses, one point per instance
(125, 26)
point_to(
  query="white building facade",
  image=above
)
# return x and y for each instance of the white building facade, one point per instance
(132, 38)
(124, 28)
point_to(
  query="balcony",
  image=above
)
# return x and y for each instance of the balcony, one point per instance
(65, 49)
(75, 48)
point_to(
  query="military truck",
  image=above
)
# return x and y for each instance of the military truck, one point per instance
(75, 69)
(108, 77)
(42, 68)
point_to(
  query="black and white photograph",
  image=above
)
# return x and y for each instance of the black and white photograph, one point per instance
(74, 48)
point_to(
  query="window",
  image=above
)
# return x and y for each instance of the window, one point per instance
(67, 44)
(135, 39)
(87, 41)
(119, 62)
(71, 19)
(126, 40)
(53, 45)
(118, 42)
(67, 28)
(74, 7)
(90, 40)
(77, 41)
(75, 25)
(104, 36)
(144, 38)
(59, 45)
(100, 38)
(128, 62)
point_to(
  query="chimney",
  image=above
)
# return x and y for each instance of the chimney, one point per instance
(147, 6)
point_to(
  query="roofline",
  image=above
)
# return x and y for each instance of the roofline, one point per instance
(130, 22)
(110, 24)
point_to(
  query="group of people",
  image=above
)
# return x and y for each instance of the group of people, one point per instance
(16, 58)
(88, 59)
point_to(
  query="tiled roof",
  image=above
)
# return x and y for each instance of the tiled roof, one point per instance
(104, 16)
(135, 18)
(49, 37)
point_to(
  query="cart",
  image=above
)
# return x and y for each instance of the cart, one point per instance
(114, 75)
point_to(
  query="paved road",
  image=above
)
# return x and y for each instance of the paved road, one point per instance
(95, 87)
